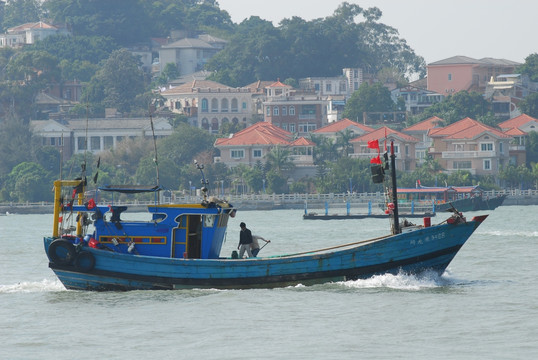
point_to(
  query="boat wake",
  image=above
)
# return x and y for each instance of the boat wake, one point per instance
(402, 281)
(33, 287)
(516, 233)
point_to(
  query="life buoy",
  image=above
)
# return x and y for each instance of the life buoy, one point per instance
(61, 252)
(85, 261)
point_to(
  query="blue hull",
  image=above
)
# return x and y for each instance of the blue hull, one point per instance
(425, 249)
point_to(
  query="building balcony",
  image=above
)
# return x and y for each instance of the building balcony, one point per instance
(467, 154)
(517, 147)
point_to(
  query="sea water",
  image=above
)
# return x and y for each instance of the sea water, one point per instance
(484, 307)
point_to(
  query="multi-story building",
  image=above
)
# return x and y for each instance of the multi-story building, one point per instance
(190, 54)
(506, 91)
(294, 111)
(416, 99)
(470, 145)
(29, 33)
(459, 73)
(421, 131)
(95, 135)
(519, 128)
(252, 144)
(209, 104)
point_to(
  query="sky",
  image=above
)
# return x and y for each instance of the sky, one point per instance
(434, 29)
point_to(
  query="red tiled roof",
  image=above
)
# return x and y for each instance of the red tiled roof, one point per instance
(279, 84)
(465, 129)
(517, 122)
(379, 134)
(302, 142)
(427, 124)
(261, 133)
(514, 132)
(342, 125)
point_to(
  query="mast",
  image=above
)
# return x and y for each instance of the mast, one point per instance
(396, 228)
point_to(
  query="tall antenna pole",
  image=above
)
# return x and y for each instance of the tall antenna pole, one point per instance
(394, 189)
(154, 145)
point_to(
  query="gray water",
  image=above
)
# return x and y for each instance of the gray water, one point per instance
(483, 307)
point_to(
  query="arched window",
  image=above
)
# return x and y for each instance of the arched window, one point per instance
(214, 125)
(224, 105)
(235, 105)
(235, 121)
(214, 105)
(205, 105)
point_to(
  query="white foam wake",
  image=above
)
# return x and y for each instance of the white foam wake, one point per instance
(400, 282)
(45, 285)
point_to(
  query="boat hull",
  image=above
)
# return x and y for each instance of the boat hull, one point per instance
(425, 249)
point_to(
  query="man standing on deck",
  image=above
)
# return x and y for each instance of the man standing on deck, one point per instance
(255, 246)
(245, 239)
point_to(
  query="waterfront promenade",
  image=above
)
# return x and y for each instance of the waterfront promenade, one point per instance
(274, 201)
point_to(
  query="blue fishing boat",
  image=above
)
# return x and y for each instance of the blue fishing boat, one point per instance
(179, 247)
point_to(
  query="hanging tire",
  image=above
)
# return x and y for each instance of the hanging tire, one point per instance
(62, 252)
(85, 261)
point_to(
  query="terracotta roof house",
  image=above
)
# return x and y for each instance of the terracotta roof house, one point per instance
(404, 146)
(332, 129)
(470, 145)
(252, 144)
(519, 128)
(209, 104)
(457, 73)
(420, 131)
(29, 33)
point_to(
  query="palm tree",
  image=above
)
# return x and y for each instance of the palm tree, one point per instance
(278, 159)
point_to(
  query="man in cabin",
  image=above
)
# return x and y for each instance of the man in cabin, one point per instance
(255, 246)
(245, 240)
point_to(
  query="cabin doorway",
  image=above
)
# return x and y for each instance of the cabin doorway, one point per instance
(188, 237)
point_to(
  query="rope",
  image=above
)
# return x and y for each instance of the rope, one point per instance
(337, 246)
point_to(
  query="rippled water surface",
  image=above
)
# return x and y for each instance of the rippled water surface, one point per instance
(484, 307)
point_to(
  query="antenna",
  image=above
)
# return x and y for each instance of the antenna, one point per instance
(155, 160)
(204, 181)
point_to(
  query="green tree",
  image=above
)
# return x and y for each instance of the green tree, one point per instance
(30, 182)
(21, 12)
(169, 73)
(368, 98)
(530, 67)
(278, 160)
(459, 106)
(531, 148)
(117, 83)
(16, 143)
(529, 105)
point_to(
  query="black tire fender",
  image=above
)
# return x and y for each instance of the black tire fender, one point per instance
(85, 261)
(62, 252)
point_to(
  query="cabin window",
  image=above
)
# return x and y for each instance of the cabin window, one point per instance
(238, 154)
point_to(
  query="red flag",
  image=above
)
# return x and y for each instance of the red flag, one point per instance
(376, 160)
(373, 144)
